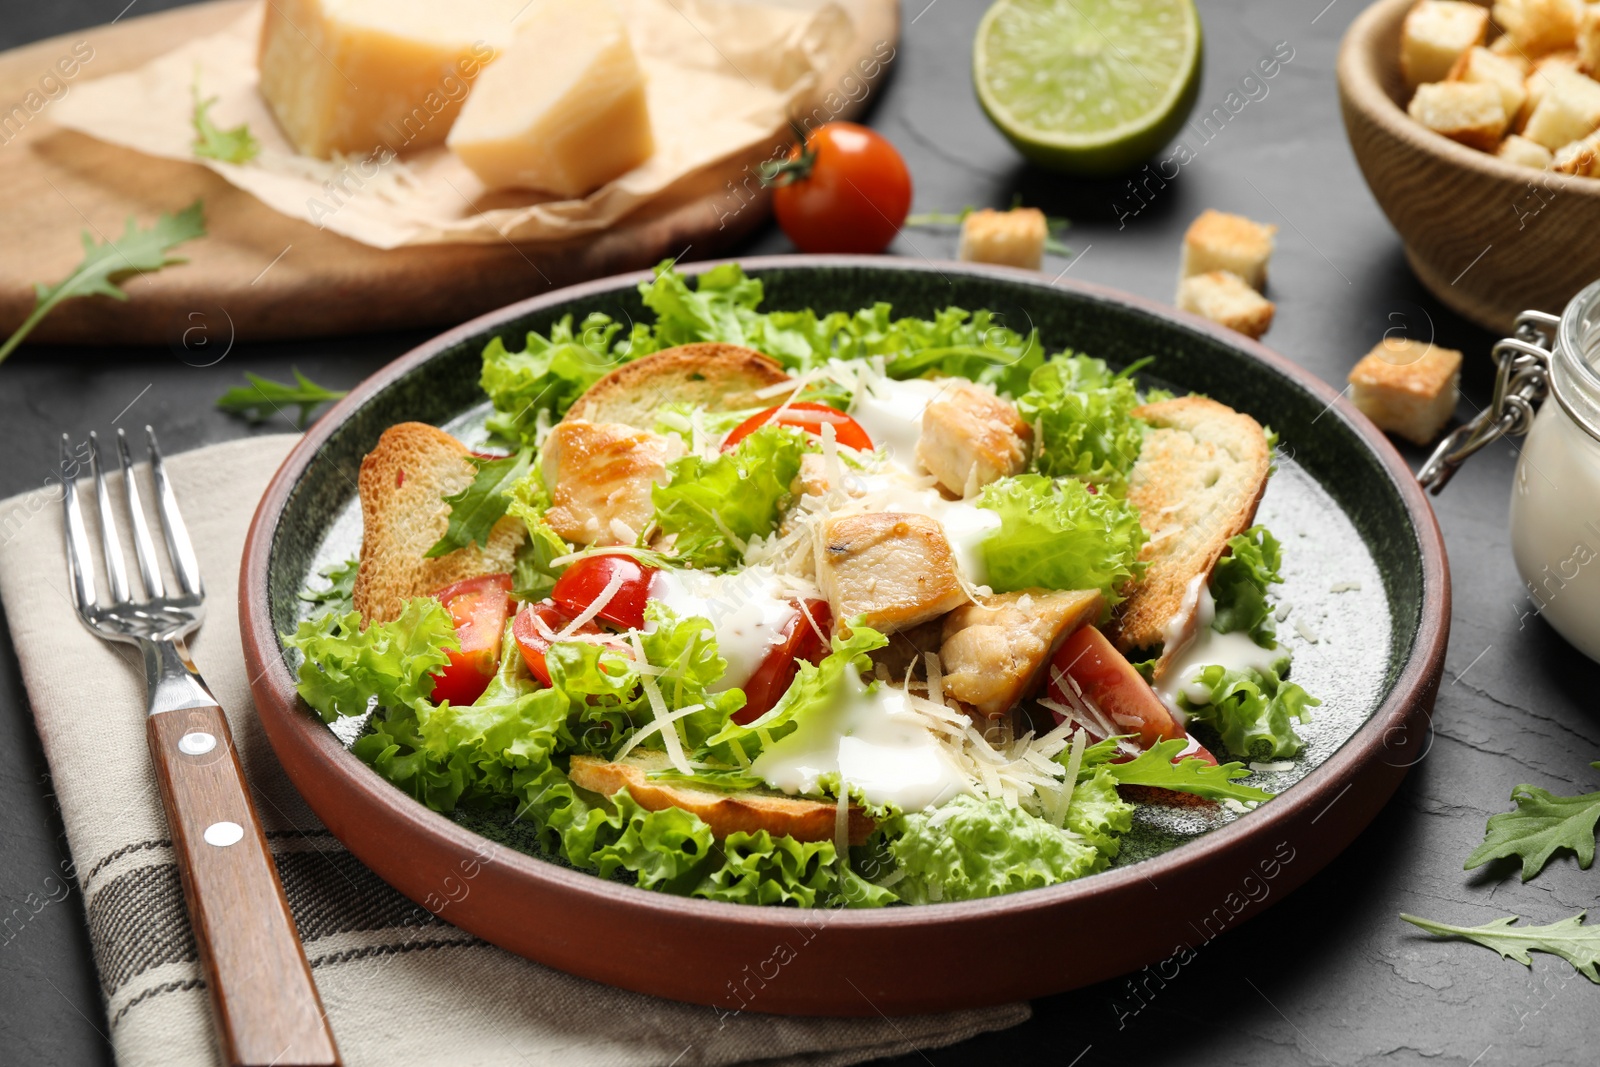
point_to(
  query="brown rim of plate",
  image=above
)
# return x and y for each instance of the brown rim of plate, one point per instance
(682, 936)
(1360, 70)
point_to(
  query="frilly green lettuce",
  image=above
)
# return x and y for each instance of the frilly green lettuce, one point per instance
(1239, 585)
(713, 506)
(1082, 414)
(1059, 535)
(1252, 711)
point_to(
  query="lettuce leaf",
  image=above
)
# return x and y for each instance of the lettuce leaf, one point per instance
(1154, 767)
(551, 372)
(1239, 585)
(1059, 535)
(1252, 711)
(1082, 415)
(972, 848)
(1099, 815)
(346, 669)
(714, 506)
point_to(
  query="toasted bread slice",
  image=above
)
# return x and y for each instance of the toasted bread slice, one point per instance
(403, 483)
(725, 813)
(715, 376)
(1197, 482)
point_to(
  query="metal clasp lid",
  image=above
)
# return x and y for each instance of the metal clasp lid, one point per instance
(1522, 380)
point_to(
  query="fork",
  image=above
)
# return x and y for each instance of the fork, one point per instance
(266, 1005)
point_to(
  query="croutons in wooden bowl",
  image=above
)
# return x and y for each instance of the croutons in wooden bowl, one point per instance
(1489, 236)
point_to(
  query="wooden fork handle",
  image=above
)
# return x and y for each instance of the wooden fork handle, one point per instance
(267, 1007)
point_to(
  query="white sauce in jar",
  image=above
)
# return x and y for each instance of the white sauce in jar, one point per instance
(1555, 528)
(874, 741)
(749, 612)
(1189, 653)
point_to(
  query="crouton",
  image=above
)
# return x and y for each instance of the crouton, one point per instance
(1539, 26)
(1468, 112)
(600, 475)
(1580, 158)
(1407, 387)
(746, 811)
(1435, 34)
(1506, 48)
(1482, 65)
(894, 569)
(1199, 476)
(970, 437)
(1588, 42)
(1012, 238)
(402, 484)
(1224, 297)
(714, 376)
(1523, 152)
(1539, 80)
(1568, 110)
(994, 651)
(1219, 241)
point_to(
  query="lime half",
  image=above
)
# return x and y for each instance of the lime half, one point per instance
(1091, 87)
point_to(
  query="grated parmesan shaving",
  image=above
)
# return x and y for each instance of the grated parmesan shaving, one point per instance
(1306, 631)
(656, 724)
(658, 707)
(595, 608)
(1063, 798)
(841, 825)
(1345, 587)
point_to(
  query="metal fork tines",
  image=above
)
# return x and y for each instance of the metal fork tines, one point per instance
(158, 622)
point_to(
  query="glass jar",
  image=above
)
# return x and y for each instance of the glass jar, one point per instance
(1555, 500)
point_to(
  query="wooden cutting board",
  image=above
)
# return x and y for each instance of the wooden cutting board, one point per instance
(58, 183)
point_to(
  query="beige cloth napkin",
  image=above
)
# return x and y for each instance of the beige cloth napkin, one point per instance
(401, 986)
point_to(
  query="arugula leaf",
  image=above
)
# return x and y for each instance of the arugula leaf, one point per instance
(253, 400)
(104, 265)
(339, 597)
(476, 508)
(714, 507)
(1154, 767)
(537, 385)
(1239, 585)
(346, 668)
(1541, 824)
(1082, 415)
(1570, 939)
(1252, 711)
(228, 146)
(972, 848)
(1058, 535)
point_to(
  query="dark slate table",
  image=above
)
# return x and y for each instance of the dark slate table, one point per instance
(1329, 975)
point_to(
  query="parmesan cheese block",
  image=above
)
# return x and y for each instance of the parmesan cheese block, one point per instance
(564, 110)
(357, 75)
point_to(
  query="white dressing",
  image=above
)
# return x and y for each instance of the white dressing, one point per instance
(875, 741)
(891, 413)
(1203, 647)
(749, 612)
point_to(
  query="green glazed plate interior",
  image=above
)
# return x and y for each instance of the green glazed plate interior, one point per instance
(1351, 600)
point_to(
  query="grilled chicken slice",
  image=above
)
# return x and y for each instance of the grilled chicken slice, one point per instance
(893, 568)
(970, 437)
(995, 650)
(599, 475)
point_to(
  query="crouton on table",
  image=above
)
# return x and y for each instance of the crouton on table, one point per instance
(1225, 298)
(1012, 238)
(1219, 241)
(1407, 387)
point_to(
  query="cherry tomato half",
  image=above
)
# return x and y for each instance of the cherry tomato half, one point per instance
(807, 416)
(533, 639)
(845, 190)
(582, 583)
(479, 607)
(800, 641)
(1107, 678)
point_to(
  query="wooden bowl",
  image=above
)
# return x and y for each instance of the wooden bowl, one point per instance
(1171, 891)
(1487, 237)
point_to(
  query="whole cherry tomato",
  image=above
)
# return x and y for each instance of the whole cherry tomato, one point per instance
(800, 642)
(804, 415)
(582, 583)
(845, 189)
(479, 607)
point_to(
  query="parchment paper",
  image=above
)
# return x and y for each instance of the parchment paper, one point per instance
(722, 77)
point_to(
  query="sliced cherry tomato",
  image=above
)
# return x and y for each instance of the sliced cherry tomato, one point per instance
(805, 415)
(479, 607)
(582, 583)
(1107, 678)
(533, 639)
(800, 642)
(845, 189)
